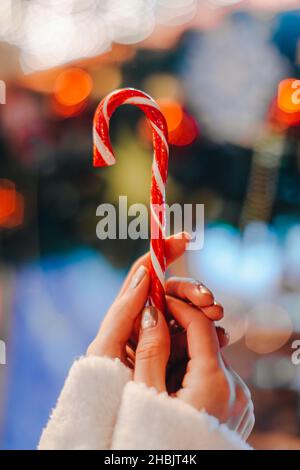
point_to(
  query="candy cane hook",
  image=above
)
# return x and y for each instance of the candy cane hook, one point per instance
(104, 156)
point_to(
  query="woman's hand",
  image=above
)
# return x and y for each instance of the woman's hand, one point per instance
(119, 322)
(122, 321)
(204, 381)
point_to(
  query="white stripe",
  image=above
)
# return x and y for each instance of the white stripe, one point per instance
(161, 135)
(140, 100)
(105, 153)
(105, 104)
(158, 178)
(157, 267)
(157, 220)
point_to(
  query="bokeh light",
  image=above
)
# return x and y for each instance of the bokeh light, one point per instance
(72, 86)
(172, 112)
(11, 205)
(231, 93)
(186, 133)
(281, 120)
(269, 328)
(7, 199)
(289, 95)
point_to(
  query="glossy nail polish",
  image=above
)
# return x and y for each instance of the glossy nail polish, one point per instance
(138, 277)
(149, 318)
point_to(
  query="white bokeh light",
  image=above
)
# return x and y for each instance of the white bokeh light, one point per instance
(52, 32)
(231, 74)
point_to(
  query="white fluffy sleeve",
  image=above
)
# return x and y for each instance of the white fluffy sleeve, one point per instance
(148, 420)
(86, 411)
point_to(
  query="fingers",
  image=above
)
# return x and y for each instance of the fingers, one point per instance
(119, 321)
(193, 291)
(201, 334)
(153, 350)
(175, 247)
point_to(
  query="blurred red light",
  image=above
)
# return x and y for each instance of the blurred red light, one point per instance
(280, 119)
(11, 205)
(186, 133)
(172, 112)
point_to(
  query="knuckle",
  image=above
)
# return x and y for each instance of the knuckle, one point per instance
(150, 348)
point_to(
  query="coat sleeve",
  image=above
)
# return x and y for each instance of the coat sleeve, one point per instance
(87, 408)
(149, 420)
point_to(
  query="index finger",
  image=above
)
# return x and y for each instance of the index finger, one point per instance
(201, 333)
(175, 247)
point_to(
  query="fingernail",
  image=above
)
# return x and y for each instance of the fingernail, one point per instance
(203, 289)
(149, 318)
(138, 276)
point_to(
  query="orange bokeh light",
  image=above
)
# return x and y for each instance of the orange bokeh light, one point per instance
(72, 87)
(280, 119)
(186, 133)
(289, 95)
(172, 112)
(11, 205)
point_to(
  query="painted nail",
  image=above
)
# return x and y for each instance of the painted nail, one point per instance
(149, 318)
(202, 289)
(138, 276)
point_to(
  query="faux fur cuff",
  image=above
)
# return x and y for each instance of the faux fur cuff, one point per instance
(148, 420)
(86, 411)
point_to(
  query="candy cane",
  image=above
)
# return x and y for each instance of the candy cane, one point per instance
(104, 156)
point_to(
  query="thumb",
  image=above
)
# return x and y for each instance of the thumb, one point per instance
(153, 350)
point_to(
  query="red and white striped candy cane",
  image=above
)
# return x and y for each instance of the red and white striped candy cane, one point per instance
(104, 156)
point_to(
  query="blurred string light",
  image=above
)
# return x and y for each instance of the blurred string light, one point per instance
(230, 76)
(264, 173)
(11, 205)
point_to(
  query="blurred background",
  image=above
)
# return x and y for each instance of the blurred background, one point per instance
(214, 66)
